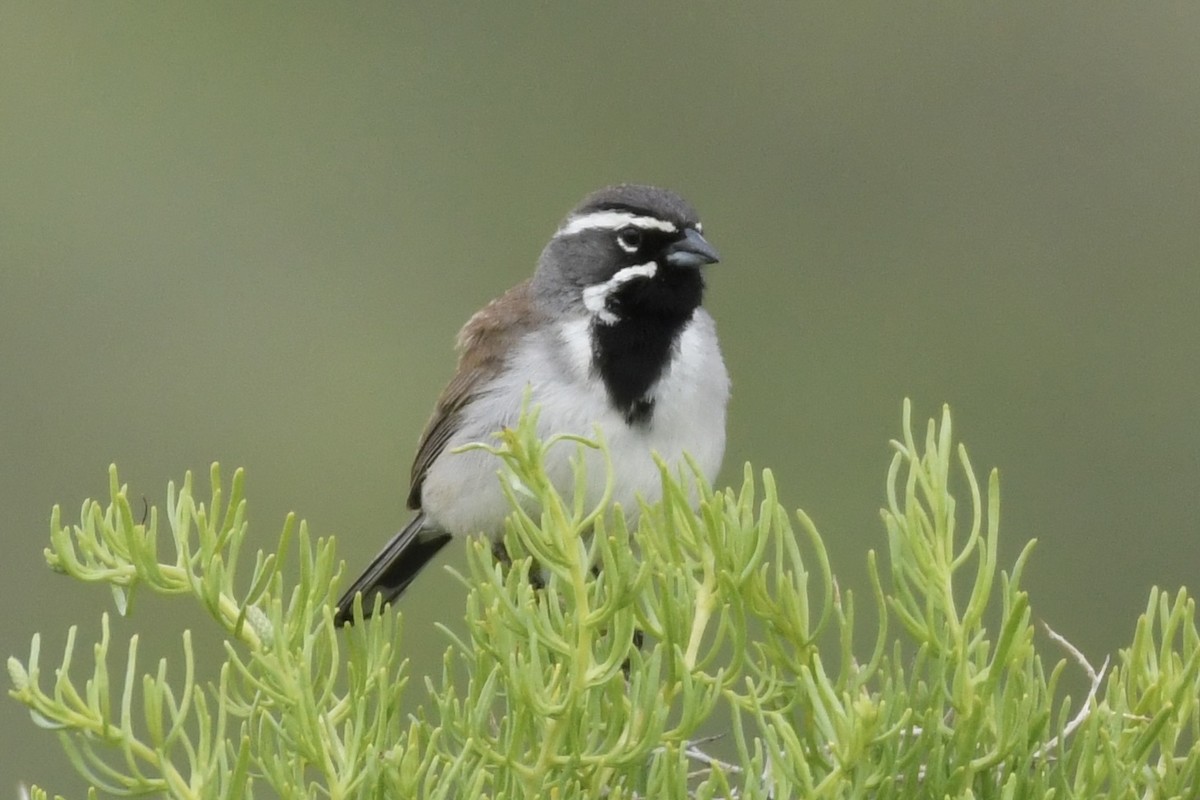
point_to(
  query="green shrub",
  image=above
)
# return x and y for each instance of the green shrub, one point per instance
(749, 652)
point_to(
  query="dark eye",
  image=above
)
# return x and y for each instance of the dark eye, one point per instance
(629, 238)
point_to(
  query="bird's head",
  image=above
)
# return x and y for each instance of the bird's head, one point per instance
(627, 250)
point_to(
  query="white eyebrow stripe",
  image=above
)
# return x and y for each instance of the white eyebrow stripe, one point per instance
(613, 220)
(595, 298)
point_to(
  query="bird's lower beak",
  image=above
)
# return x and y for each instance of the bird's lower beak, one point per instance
(693, 250)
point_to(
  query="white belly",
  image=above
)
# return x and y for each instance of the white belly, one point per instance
(461, 493)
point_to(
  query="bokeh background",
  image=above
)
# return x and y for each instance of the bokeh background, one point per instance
(248, 234)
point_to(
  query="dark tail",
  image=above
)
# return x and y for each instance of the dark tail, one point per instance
(393, 569)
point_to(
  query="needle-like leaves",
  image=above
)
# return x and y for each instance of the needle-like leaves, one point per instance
(708, 653)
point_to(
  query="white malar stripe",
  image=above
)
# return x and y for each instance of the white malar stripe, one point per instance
(614, 220)
(595, 298)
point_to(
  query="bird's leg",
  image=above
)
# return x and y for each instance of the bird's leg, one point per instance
(499, 552)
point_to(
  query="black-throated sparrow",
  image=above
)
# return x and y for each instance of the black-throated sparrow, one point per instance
(609, 331)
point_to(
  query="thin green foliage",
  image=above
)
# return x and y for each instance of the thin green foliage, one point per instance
(709, 653)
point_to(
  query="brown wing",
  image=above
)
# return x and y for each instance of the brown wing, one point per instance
(483, 345)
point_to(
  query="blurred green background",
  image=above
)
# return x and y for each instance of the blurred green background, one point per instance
(249, 234)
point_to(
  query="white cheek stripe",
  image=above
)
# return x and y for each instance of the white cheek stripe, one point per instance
(613, 220)
(595, 298)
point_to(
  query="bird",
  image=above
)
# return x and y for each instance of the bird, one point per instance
(608, 334)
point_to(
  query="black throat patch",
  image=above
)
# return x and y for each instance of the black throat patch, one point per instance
(633, 351)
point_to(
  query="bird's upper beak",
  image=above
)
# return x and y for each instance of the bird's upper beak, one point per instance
(693, 250)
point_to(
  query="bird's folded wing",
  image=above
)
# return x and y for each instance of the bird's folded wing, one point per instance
(483, 347)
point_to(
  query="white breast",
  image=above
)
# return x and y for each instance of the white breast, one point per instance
(461, 492)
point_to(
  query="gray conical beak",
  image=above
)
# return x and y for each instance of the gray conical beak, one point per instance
(693, 250)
